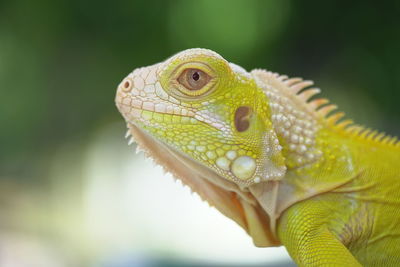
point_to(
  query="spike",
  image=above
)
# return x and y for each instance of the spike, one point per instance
(131, 141)
(282, 78)
(274, 74)
(372, 135)
(326, 110)
(128, 133)
(149, 159)
(365, 132)
(333, 119)
(317, 103)
(344, 124)
(307, 94)
(292, 81)
(394, 141)
(355, 129)
(138, 149)
(300, 86)
(386, 139)
(379, 137)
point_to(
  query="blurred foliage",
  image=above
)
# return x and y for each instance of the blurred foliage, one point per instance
(60, 63)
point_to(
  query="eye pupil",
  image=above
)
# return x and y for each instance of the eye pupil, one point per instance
(193, 79)
(196, 76)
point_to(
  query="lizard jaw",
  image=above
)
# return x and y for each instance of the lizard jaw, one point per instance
(168, 159)
(216, 191)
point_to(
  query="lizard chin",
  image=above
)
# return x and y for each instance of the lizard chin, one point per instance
(241, 206)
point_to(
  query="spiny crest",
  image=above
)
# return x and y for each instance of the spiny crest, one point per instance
(178, 178)
(323, 109)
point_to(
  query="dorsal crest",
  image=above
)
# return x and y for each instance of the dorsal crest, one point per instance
(303, 94)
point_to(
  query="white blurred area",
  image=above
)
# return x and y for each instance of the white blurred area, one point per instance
(106, 203)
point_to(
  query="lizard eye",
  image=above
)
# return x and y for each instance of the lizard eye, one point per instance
(193, 79)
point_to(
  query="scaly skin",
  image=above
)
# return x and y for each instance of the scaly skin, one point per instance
(283, 167)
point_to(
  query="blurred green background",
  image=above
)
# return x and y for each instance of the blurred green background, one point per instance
(72, 193)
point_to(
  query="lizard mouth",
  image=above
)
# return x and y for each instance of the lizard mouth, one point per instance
(225, 196)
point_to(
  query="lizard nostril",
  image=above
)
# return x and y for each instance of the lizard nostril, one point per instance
(242, 116)
(126, 85)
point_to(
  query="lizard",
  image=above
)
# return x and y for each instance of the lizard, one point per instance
(269, 153)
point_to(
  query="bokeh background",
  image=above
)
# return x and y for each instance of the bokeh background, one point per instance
(72, 193)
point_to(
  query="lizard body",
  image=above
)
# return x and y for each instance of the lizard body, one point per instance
(266, 153)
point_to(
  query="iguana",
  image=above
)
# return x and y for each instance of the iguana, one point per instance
(267, 153)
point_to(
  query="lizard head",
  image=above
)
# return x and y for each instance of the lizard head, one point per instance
(208, 122)
(208, 109)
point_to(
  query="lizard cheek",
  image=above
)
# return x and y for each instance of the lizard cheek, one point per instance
(241, 119)
(243, 167)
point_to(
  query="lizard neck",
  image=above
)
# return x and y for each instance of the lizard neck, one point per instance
(294, 124)
(304, 125)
